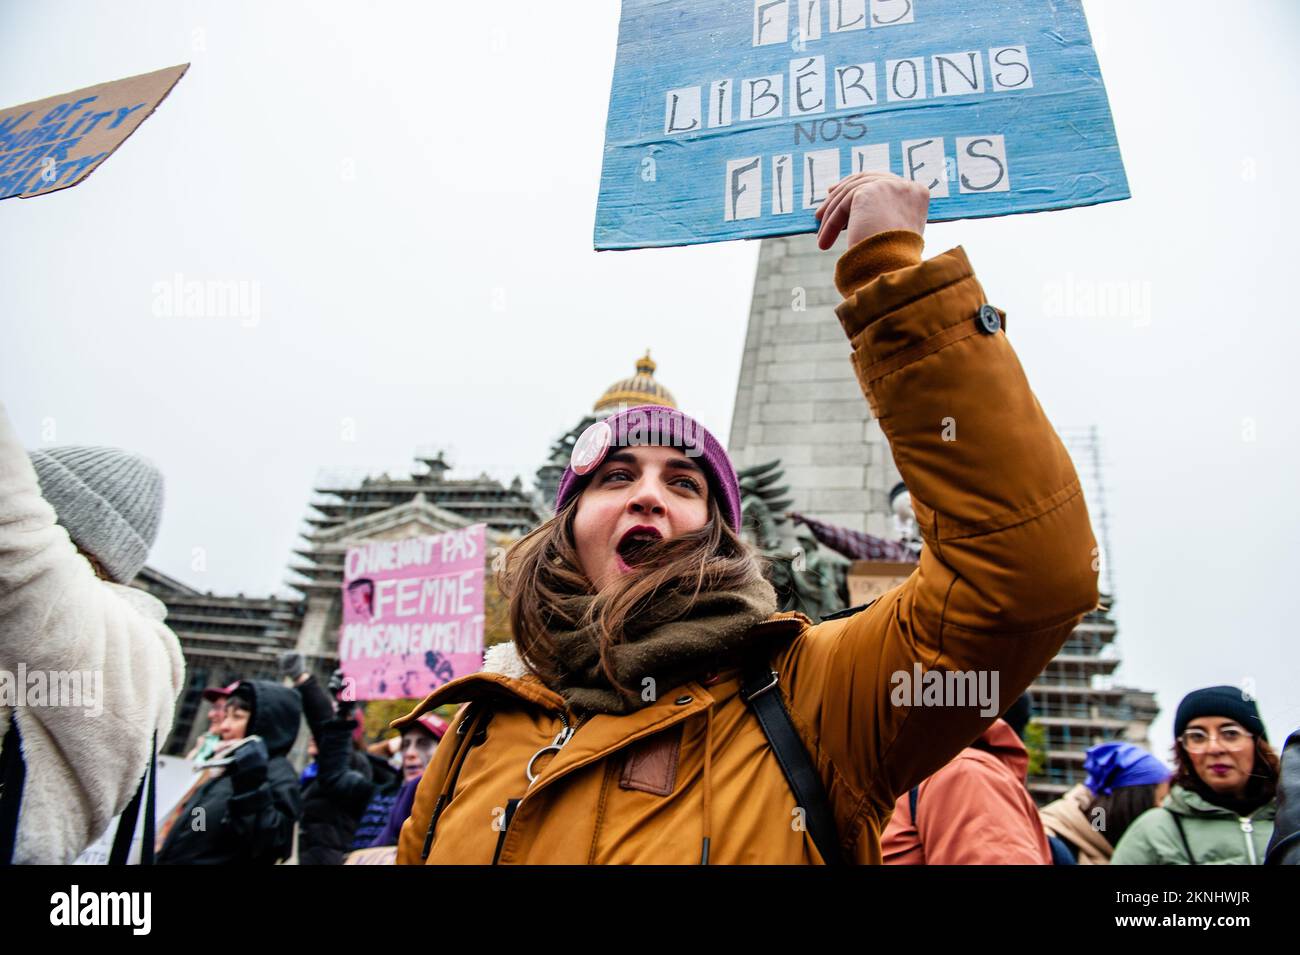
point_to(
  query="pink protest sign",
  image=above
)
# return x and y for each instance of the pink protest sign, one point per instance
(412, 613)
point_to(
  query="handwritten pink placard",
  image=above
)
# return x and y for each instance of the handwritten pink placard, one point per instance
(412, 613)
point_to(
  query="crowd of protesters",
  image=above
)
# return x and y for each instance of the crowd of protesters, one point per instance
(1223, 803)
(638, 527)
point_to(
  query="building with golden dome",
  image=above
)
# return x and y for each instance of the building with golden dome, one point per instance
(641, 388)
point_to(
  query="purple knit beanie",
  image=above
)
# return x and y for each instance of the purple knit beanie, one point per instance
(653, 425)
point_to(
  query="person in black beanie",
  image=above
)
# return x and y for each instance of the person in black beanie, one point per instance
(1221, 807)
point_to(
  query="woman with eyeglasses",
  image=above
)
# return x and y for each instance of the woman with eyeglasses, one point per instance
(1220, 809)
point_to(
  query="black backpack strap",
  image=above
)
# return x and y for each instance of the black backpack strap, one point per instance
(126, 822)
(477, 722)
(913, 795)
(13, 772)
(1191, 859)
(760, 692)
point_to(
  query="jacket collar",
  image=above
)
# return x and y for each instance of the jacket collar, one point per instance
(1187, 802)
(505, 675)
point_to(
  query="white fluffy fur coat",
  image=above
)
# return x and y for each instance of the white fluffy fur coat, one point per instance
(56, 617)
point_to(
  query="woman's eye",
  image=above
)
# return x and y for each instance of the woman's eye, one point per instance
(689, 483)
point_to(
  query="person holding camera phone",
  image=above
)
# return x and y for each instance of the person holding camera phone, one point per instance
(246, 810)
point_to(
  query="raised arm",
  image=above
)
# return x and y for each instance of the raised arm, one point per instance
(57, 617)
(1008, 563)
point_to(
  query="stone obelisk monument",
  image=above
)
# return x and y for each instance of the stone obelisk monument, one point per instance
(799, 400)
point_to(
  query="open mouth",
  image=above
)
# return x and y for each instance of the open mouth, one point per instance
(634, 544)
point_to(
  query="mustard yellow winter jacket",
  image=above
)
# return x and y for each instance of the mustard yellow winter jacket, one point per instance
(1007, 570)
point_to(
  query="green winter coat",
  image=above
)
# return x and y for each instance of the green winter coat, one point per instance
(1217, 836)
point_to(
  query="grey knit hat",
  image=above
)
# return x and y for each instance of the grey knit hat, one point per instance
(108, 500)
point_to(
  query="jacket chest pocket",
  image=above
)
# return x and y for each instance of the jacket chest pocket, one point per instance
(651, 764)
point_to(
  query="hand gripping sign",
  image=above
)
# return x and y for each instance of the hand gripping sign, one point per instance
(728, 119)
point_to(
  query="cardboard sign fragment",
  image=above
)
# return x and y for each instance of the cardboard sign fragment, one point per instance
(57, 142)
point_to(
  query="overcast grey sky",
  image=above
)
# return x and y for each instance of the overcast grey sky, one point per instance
(411, 188)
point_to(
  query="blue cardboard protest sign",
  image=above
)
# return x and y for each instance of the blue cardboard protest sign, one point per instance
(728, 119)
(57, 142)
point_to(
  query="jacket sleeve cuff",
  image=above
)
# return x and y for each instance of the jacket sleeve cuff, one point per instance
(876, 255)
(910, 305)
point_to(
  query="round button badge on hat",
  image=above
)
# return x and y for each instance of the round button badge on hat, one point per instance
(590, 448)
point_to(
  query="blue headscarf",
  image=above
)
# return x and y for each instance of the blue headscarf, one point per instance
(1111, 766)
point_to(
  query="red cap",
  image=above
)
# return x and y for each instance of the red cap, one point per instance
(433, 723)
(214, 693)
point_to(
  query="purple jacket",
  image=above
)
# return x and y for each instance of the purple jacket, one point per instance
(401, 809)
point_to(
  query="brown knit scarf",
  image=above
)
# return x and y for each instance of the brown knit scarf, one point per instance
(675, 640)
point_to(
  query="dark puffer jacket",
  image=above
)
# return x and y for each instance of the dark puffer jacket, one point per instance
(238, 818)
(335, 798)
(1284, 847)
(374, 821)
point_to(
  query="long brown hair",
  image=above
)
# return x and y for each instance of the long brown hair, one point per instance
(1121, 808)
(541, 576)
(1264, 772)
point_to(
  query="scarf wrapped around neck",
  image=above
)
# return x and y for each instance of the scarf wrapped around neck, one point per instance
(673, 641)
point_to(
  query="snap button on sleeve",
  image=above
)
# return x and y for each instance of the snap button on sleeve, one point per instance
(988, 321)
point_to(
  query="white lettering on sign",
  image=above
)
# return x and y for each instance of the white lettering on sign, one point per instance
(682, 110)
(815, 87)
(771, 21)
(458, 545)
(720, 103)
(388, 555)
(810, 20)
(855, 85)
(1009, 68)
(873, 158)
(415, 596)
(924, 161)
(808, 86)
(955, 74)
(905, 78)
(982, 164)
(848, 15)
(744, 188)
(852, 86)
(374, 640)
(782, 184)
(890, 13)
(821, 170)
(761, 96)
